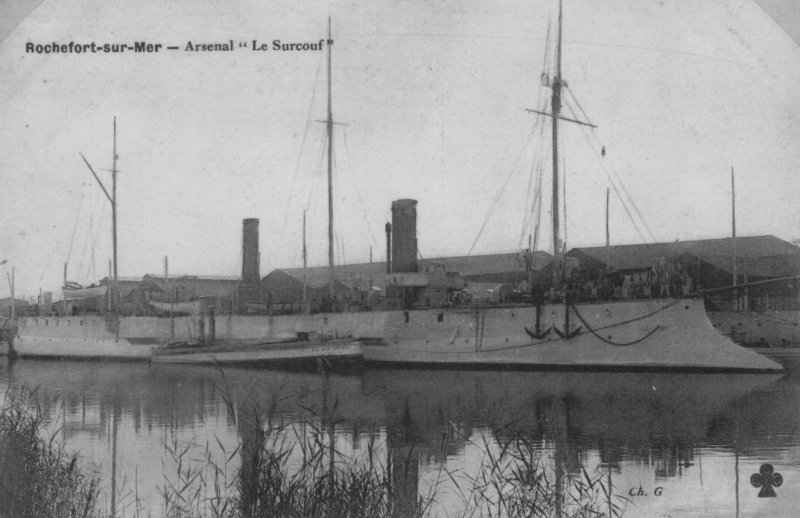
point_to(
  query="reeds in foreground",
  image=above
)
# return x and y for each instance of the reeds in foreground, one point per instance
(296, 470)
(38, 478)
(515, 478)
(307, 476)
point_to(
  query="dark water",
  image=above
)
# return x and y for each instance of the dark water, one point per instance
(673, 444)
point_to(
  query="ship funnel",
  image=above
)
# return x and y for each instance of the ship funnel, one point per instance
(250, 257)
(251, 280)
(404, 236)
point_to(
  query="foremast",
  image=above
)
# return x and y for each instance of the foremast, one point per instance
(112, 198)
(329, 126)
(559, 285)
(555, 107)
(557, 84)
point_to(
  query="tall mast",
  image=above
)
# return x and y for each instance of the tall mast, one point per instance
(331, 279)
(556, 112)
(114, 221)
(112, 198)
(114, 231)
(564, 203)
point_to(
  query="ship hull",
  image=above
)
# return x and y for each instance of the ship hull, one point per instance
(83, 337)
(660, 334)
(651, 335)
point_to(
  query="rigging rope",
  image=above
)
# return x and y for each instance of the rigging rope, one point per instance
(538, 168)
(95, 225)
(542, 154)
(614, 186)
(603, 165)
(309, 207)
(302, 147)
(526, 217)
(104, 209)
(499, 194)
(88, 240)
(358, 193)
(542, 104)
(323, 144)
(538, 216)
(536, 206)
(75, 226)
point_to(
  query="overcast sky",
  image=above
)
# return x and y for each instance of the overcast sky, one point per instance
(432, 99)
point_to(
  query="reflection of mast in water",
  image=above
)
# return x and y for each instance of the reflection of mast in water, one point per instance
(328, 425)
(736, 461)
(115, 416)
(560, 454)
(566, 459)
(403, 462)
(609, 461)
(251, 438)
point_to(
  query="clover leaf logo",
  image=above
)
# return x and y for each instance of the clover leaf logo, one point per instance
(766, 479)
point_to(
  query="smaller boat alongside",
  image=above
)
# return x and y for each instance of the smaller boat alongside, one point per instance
(193, 307)
(74, 291)
(301, 351)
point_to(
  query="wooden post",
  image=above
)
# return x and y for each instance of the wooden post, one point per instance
(736, 301)
(212, 326)
(13, 301)
(305, 265)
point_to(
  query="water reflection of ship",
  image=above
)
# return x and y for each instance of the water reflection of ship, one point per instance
(600, 406)
(657, 421)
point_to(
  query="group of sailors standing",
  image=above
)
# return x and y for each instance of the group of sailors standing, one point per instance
(662, 280)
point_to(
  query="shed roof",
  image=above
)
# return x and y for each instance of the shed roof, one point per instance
(758, 256)
(203, 285)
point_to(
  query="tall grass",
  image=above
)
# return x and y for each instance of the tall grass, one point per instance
(195, 487)
(38, 478)
(291, 470)
(516, 479)
(285, 469)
